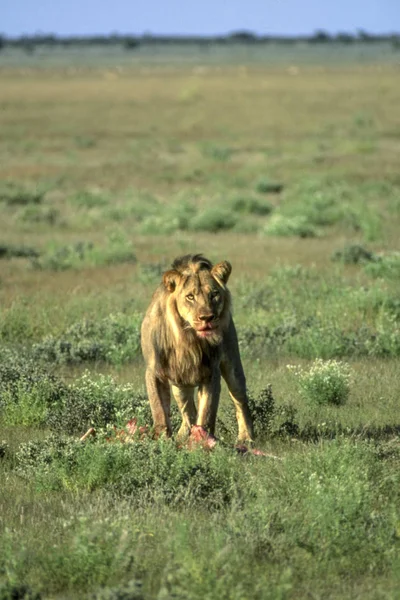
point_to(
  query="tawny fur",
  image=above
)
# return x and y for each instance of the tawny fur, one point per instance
(189, 340)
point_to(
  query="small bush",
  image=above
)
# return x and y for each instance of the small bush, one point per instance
(156, 470)
(114, 339)
(9, 251)
(27, 390)
(354, 254)
(260, 340)
(213, 220)
(40, 214)
(130, 591)
(385, 267)
(218, 153)
(326, 382)
(88, 199)
(280, 225)
(31, 395)
(252, 206)
(97, 402)
(4, 449)
(177, 217)
(16, 591)
(17, 197)
(269, 419)
(151, 272)
(266, 186)
(86, 254)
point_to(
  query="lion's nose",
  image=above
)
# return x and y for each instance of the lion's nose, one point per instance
(206, 318)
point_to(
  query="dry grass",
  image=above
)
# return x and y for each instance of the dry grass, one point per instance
(160, 138)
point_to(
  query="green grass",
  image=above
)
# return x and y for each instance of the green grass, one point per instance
(291, 174)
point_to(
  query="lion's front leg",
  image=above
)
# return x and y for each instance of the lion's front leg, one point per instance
(184, 397)
(236, 382)
(208, 400)
(160, 403)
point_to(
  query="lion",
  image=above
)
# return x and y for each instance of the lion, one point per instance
(189, 340)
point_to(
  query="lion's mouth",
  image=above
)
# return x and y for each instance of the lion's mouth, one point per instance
(206, 330)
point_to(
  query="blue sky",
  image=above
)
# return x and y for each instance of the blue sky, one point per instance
(201, 16)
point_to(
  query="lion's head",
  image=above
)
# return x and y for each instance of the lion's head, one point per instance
(198, 292)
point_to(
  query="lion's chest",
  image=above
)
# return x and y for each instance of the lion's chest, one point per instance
(189, 368)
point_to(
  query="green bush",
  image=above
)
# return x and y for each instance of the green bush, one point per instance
(151, 272)
(385, 267)
(10, 251)
(130, 591)
(15, 591)
(117, 249)
(215, 152)
(40, 214)
(354, 254)
(155, 470)
(175, 217)
(97, 402)
(326, 382)
(251, 206)
(88, 199)
(14, 196)
(213, 219)
(279, 225)
(28, 392)
(114, 339)
(270, 420)
(266, 186)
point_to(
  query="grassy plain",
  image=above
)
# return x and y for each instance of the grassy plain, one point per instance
(107, 175)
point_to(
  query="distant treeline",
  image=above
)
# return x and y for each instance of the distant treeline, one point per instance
(131, 42)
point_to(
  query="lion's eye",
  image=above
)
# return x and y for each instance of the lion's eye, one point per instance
(190, 297)
(215, 294)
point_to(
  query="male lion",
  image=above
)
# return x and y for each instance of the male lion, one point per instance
(189, 340)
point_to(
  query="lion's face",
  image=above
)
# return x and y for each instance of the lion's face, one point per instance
(201, 296)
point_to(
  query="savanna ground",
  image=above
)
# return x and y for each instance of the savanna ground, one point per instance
(291, 173)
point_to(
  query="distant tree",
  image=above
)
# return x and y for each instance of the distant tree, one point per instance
(320, 37)
(244, 37)
(2, 42)
(364, 36)
(396, 42)
(131, 43)
(27, 44)
(345, 38)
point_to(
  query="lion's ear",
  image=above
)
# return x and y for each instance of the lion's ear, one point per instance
(170, 279)
(222, 271)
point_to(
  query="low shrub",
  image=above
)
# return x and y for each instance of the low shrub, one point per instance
(213, 219)
(251, 205)
(18, 591)
(117, 249)
(10, 251)
(88, 199)
(13, 196)
(385, 266)
(97, 402)
(269, 419)
(299, 225)
(215, 152)
(40, 214)
(326, 382)
(132, 590)
(114, 339)
(266, 186)
(354, 254)
(155, 470)
(167, 219)
(151, 272)
(31, 395)
(27, 390)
